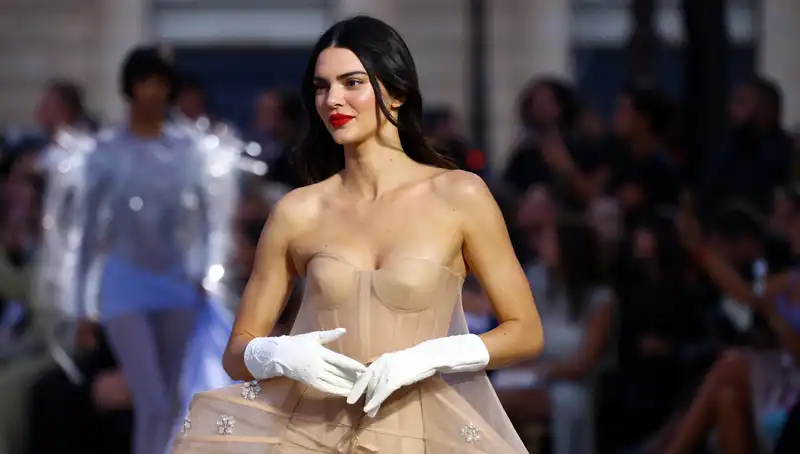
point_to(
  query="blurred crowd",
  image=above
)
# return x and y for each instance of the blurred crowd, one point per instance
(668, 286)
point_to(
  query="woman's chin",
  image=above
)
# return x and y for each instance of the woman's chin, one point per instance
(343, 137)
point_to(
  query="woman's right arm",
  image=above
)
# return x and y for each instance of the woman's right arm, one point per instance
(267, 289)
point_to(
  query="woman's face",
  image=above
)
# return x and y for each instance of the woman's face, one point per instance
(345, 98)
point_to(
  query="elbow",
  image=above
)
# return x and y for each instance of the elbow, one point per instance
(533, 340)
(536, 346)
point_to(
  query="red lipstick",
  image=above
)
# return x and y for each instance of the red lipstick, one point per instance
(339, 120)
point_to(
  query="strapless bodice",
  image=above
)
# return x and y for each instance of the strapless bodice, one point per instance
(406, 301)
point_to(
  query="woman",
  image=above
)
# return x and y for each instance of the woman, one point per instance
(746, 397)
(577, 319)
(662, 328)
(382, 284)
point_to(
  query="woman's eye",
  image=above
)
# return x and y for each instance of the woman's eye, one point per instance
(353, 82)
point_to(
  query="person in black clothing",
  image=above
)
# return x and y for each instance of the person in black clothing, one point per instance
(93, 417)
(758, 160)
(552, 152)
(440, 126)
(644, 178)
(789, 441)
(663, 327)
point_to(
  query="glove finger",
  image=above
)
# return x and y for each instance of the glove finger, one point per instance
(359, 387)
(381, 393)
(348, 366)
(347, 374)
(338, 382)
(331, 335)
(375, 381)
(330, 389)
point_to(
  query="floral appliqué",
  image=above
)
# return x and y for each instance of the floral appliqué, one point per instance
(225, 425)
(250, 390)
(470, 433)
(187, 425)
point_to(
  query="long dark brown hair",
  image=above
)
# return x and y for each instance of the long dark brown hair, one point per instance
(386, 58)
(581, 265)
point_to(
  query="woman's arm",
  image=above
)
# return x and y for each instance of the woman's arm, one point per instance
(732, 284)
(267, 289)
(729, 281)
(489, 255)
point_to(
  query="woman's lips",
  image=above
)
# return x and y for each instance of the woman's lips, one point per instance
(339, 120)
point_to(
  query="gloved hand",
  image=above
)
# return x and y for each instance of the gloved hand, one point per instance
(392, 371)
(303, 358)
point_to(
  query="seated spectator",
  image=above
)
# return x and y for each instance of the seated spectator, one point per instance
(758, 160)
(747, 395)
(576, 307)
(663, 328)
(91, 417)
(738, 233)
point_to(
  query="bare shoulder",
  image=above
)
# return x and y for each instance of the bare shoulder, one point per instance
(463, 190)
(298, 208)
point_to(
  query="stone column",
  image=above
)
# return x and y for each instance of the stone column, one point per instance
(41, 40)
(528, 39)
(778, 59)
(381, 9)
(121, 24)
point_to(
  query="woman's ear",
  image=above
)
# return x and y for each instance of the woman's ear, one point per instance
(395, 103)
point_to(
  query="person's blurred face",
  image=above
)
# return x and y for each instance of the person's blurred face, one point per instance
(268, 113)
(345, 98)
(744, 105)
(591, 125)
(545, 110)
(738, 252)
(151, 95)
(191, 103)
(606, 216)
(536, 210)
(645, 246)
(626, 119)
(51, 111)
(548, 248)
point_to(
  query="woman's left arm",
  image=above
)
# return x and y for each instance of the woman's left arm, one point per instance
(490, 256)
(488, 252)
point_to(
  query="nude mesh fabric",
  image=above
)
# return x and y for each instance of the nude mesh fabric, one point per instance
(407, 301)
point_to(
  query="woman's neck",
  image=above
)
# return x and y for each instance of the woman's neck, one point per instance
(371, 169)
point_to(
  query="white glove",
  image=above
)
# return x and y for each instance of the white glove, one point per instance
(303, 358)
(392, 371)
